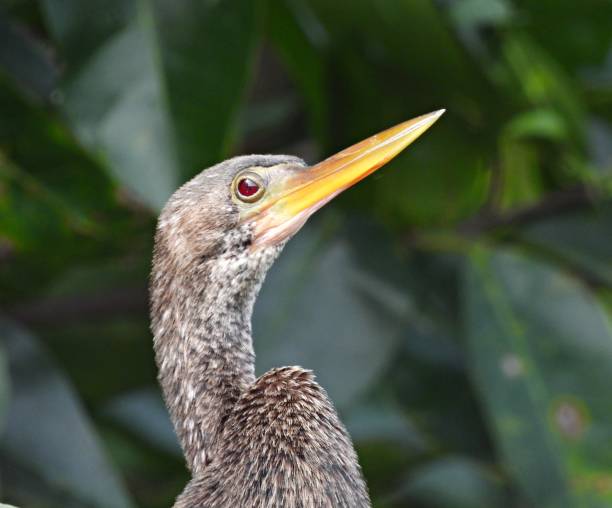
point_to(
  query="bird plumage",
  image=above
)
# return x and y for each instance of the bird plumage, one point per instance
(282, 445)
(275, 441)
(272, 441)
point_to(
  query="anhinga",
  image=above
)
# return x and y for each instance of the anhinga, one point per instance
(276, 440)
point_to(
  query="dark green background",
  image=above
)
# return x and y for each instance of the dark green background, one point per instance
(456, 305)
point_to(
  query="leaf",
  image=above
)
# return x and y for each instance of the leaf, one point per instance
(75, 181)
(144, 413)
(600, 148)
(469, 14)
(383, 76)
(316, 310)
(538, 123)
(153, 86)
(544, 83)
(5, 388)
(403, 28)
(454, 482)
(541, 353)
(47, 431)
(383, 421)
(577, 34)
(25, 59)
(473, 18)
(520, 179)
(56, 203)
(298, 51)
(581, 239)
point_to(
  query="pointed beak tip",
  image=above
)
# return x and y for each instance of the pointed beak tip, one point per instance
(412, 129)
(308, 190)
(434, 115)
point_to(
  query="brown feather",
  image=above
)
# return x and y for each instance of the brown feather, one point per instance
(267, 442)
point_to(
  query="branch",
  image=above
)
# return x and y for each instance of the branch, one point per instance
(556, 203)
(92, 307)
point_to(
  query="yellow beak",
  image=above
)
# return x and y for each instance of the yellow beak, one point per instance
(303, 192)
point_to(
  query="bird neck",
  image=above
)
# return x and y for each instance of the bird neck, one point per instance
(201, 320)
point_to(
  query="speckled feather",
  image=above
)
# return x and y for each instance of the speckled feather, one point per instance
(267, 442)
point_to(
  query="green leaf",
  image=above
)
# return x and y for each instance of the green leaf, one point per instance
(25, 59)
(380, 421)
(303, 60)
(58, 163)
(543, 83)
(473, 19)
(56, 203)
(318, 309)
(520, 179)
(541, 352)
(454, 482)
(403, 28)
(600, 151)
(577, 34)
(380, 75)
(581, 239)
(538, 123)
(153, 86)
(469, 14)
(144, 413)
(47, 431)
(5, 387)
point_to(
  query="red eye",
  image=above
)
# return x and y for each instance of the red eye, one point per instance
(248, 188)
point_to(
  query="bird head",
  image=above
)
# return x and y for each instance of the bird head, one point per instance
(253, 204)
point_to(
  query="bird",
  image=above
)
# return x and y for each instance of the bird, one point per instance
(270, 441)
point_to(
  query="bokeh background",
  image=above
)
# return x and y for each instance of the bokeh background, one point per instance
(456, 305)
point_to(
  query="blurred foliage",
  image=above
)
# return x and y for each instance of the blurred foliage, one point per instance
(456, 305)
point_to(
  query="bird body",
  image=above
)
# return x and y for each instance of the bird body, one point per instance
(276, 440)
(282, 445)
(272, 441)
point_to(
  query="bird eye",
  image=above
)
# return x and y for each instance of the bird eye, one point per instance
(248, 188)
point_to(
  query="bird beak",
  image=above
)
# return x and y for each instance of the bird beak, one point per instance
(302, 192)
